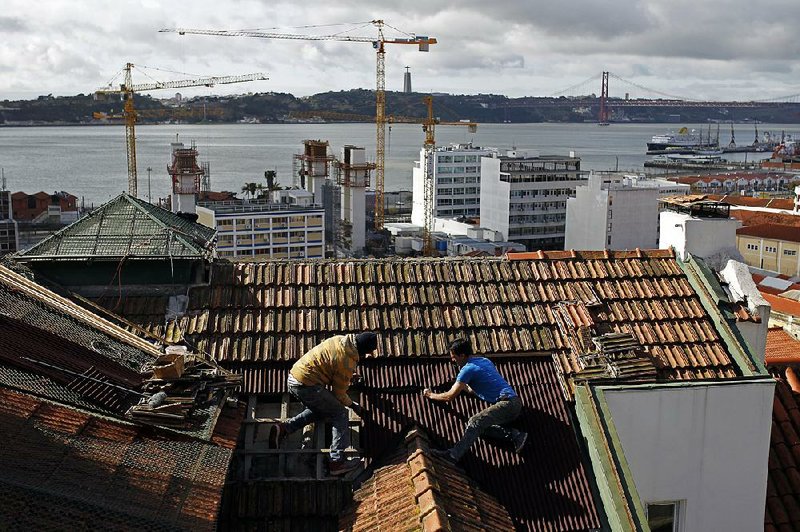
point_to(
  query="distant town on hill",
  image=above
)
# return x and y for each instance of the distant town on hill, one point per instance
(358, 105)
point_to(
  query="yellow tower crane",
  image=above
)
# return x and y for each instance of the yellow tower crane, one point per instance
(126, 90)
(378, 42)
(429, 126)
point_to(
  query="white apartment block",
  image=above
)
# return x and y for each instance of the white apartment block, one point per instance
(525, 198)
(615, 211)
(264, 230)
(456, 173)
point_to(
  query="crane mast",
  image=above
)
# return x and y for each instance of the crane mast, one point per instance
(429, 127)
(127, 90)
(423, 42)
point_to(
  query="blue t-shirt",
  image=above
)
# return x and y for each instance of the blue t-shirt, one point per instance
(481, 375)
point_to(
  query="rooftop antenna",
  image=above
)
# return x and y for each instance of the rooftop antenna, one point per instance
(2, 179)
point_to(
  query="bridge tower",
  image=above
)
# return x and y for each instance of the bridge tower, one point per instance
(604, 111)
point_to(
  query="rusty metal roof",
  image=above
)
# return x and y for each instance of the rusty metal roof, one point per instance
(67, 468)
(277, 310)
(548, 487)
(45, 334)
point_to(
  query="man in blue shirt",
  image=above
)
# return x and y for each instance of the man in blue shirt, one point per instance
(479, 376)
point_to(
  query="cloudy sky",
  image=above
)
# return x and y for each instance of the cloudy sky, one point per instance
(705, 49)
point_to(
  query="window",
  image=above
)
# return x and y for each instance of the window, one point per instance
(790, 252)
(663, 516)
(752, 247)
(471, 159)
(770, 249)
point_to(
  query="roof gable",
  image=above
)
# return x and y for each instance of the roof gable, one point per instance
(415, 491)
(125, 227)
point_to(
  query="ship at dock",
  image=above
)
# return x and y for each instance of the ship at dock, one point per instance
(685, 140)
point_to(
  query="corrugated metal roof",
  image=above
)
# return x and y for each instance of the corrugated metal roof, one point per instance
(277, 310)
(547, 488)
(66, 468)
(126, 227)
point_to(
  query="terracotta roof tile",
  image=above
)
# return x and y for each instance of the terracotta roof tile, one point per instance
(782, 348)
(789, 233)
(784, 305)
(256, 312)
(783, 484)
(417, 491)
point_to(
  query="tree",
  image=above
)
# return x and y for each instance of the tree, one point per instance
(250, 189)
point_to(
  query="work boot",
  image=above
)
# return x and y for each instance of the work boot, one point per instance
(342, 467)
(519, 441)
(445, 454)
(277, 433)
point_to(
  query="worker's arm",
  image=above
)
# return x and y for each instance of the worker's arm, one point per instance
(447, 396)
(341, 380)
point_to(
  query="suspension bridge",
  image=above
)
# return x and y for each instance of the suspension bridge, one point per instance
(634, 95)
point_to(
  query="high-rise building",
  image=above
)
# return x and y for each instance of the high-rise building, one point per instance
(525, 198)
(456, 173)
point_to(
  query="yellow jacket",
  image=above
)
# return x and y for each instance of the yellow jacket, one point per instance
(331, 363)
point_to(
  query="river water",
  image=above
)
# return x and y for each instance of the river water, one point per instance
(90, 161)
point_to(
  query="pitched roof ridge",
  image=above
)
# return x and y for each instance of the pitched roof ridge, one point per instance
(154, 212)
(21, 284)
(594, 254)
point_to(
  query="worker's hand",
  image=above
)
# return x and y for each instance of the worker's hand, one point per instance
(427, 392)
(358, 409)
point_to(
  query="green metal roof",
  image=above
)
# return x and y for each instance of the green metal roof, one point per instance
(126, 227)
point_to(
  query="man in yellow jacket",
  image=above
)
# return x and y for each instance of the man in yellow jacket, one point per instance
(320, 380)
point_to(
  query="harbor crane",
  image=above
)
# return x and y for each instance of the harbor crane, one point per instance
(127, 89)
(378, 42)
(429, 127)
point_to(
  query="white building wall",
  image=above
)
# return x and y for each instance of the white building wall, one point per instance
(528, 205)
(587, 217)
(702, 237)
(495, 197)
(706, 446)
(633, 218)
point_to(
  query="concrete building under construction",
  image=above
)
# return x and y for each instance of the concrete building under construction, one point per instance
(352, 173)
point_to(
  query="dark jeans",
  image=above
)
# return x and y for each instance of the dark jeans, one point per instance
(489, 423)
(321, 405)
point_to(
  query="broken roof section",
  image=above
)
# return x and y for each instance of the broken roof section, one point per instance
(415, 491)
(126, 227)
(68, 468)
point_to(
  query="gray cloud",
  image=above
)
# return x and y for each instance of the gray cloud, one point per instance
(718, 48)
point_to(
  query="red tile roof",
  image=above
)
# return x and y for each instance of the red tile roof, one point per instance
(415, 491)
(782, 347)
(760, 217)
(784, 305)
(270, 311)
(66, 468)
(744, 201)
(783, 479)
(787, 233)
